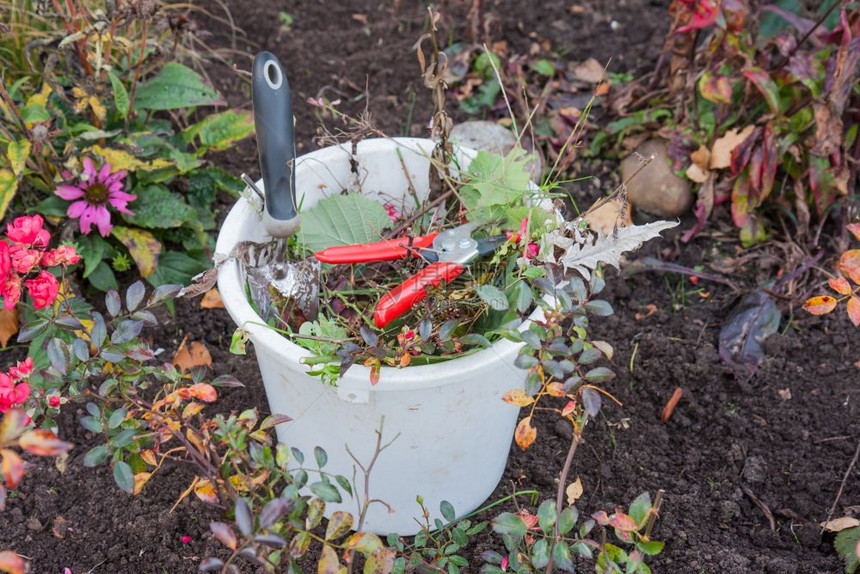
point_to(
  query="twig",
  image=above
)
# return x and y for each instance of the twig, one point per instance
(408, 221)
(653, 514)
(809, 33)
(765, 510)
(842, 485)
(562, 480)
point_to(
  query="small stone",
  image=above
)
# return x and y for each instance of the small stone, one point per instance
(755, 470)
(656, 189)
(34, 524)
(489, 136)
(729, 510)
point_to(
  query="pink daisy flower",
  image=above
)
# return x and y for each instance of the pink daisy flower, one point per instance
(93, 194)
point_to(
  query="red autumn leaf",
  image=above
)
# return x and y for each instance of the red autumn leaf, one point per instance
(555, 389)
(622, 522)
(840, 285)
(204, 392)
(13, 468)
(568, 408)
(770, 160)
(529, 519)
(855, 229)
(12, 563)
(601, 517)
(765, 85)
(740, 153)
(715, 88)
(822, 182)
(13, 424)
(224, 534)
(849, 264)
(525, 434)
(821, 305)
(741, 201)
(43, 442)
(854, 310)
(705, 13)
(756, 162)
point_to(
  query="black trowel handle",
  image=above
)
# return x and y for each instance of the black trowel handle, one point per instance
(276, 144)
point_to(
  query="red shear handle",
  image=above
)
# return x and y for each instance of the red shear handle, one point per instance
(400, 299)
(379, 251)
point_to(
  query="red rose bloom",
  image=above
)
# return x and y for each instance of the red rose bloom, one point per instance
(23, 259)
(11, 291)
(28, 230)
(5, 261)
(43, 289)
(54, 401)
(62, 255)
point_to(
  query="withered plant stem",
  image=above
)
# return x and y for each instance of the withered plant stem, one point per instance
(409, 220)
(809, 33)
(576, 438)
(139, 68)
(842, 485)
(654, 513)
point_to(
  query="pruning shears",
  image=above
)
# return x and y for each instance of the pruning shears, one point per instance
(447, 252)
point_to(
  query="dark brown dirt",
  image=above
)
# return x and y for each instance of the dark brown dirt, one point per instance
(724, 438)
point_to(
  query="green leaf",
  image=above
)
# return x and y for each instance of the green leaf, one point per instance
(8, 188)
(123, 476)
(178, 268)
(447, 510)
(96, 455)
(120, 95)
(563, 559)
(102, 277)
(116, 418)
(510, 524)
(547, 515)
(320, 456)
(326, 491)
(494, 182)
(640, 508)
(544, 68)
(92, 248)
(846, 546)
(492, 296)
(652, 547)
(540, 553)
(567, 519)
(52, 205)
(156, 207)
(220, 131)
(34, 113)
(343, 220)
(174, 87)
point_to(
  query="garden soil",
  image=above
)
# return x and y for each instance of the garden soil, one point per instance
(734, 454)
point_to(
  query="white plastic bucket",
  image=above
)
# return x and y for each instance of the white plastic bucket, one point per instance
(455, 431)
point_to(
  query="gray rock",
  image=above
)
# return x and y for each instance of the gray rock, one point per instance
(656, 190)
(489, 136)
(755, 470)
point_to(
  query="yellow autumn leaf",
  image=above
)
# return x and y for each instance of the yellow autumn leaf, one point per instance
(121, 159)
(525, 434)
(139, 480)
(204, 490)
(8, 188)
(517, 397)
(574, 491)
(142, 245)
(18, 152)
(41, 97)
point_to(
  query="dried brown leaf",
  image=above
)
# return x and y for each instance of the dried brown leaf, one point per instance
(721, 152)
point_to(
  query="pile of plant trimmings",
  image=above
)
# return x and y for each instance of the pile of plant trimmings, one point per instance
(492, 297)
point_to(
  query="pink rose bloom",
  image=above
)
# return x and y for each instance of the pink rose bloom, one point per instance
(22, 370)
(62, 255)
(5, 262)
(11, 291)
(23, 259)
(43, 289)
(91, 197)
(12, 394)
(28, 230)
